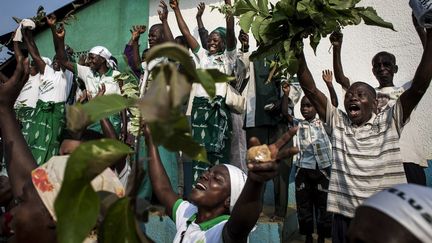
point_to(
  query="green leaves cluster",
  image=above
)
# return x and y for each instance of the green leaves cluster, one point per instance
(280, 29)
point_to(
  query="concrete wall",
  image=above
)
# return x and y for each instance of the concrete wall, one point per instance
(361, 43)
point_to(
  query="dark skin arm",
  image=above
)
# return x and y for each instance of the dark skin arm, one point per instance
(3, 78)
(230, 35)
(336, 40)
(19, 160)
(249, 205)
(307, 83)
(203, 34)
(136, 31)
(285, 102)
(58, 38)
(33, 50)
(158, 176)
(327, 76)
(422, 78)
(420, 31)
(192, 42)
(163, 16)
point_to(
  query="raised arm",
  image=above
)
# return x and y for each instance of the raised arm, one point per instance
(249, 205)
(3, 78)
(307, 83)
(19, 160)
(132, 49)
(203, 32)
(327, 76)
(230, 35)
(158, 176)
(163, 16)
(33, 50)
(420, 31)
(422, 78)
(336, 39)
(192, 42)
(58, 38)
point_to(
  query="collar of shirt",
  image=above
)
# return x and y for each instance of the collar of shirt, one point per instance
(108, 73)
(204, 226)
(369, 122)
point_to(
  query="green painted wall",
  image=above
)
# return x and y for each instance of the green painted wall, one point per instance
(106, 23)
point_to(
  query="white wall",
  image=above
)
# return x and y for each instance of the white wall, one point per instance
(360, 44)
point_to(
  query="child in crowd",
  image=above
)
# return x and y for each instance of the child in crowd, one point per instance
(313, 166)
(211, 120)
(366, 150)
(44, 127)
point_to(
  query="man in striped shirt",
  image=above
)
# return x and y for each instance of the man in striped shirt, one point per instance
(366, 150)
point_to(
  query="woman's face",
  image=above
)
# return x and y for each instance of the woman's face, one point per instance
(95, 61)
(215, 43)
(31, 221)
(212, 188)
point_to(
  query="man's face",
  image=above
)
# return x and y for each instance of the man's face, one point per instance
(215, 43)
(359, 103)
(56, 65)
(31, 221)
(307, 109)
(384, 68)
(155, 36)
(95, 61)
(212, 189)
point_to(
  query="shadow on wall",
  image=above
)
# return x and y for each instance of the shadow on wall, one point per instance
(185, 4)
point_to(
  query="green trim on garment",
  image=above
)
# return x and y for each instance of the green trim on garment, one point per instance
(204, 226)
(174, 209)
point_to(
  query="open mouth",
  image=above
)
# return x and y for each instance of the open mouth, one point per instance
(200, 186)
(354, 110)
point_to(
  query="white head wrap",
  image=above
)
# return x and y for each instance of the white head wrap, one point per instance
(25, 23)
(237, 180)
(408, 204)
(104, 53)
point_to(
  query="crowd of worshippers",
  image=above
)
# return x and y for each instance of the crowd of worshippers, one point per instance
(350, 179)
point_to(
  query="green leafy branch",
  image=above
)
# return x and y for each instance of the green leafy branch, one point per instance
(280, 29)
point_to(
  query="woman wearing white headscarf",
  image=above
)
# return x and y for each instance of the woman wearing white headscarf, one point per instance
(101, 70)
(224, 204)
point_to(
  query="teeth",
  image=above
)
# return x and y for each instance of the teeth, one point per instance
(200, 186)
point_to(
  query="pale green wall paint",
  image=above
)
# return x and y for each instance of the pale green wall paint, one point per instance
(106, 23)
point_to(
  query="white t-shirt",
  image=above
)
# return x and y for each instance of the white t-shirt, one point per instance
(184, 214)
(93, 80)
(30, 92)
(55, 85)
(224, 62)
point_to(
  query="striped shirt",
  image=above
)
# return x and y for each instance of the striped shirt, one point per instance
(366, 159)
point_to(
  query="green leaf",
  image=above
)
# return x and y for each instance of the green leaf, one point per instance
(255, 27)
(370, 17)
(155, 104)
(264, 31)
(206, 81)
(342, 4)
(76, 118)
(246, 20)
(314, 41)
(179, 87)
(263, 7)
(218, 76)
(76, 218)
(119, 224)
(292, 62)
(241, 7)
(174, 52)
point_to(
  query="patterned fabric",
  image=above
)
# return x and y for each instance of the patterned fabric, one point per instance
(43, 130)
(211, 128)
(314, 145)
(387, 96)
(48, 178)
(23, 113)
(367, 158)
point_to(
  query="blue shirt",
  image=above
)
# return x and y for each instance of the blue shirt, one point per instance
(314, 145)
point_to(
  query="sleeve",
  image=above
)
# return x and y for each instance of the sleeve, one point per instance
(128, 52)
(182, 211)
(331, 115)
(203, 34)
(48, 72)
(231, 57)
(82, 72)
(295, 92)
(199, 54)
(397, 113)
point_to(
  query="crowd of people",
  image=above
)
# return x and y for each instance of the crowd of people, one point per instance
(350, 178)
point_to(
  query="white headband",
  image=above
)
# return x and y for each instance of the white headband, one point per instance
(237, 180)
(104, 53)
(408, 204)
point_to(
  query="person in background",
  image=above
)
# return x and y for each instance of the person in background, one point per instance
(366, 149)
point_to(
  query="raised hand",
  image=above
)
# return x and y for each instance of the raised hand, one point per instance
(327, 76)
(174, 4)
(163, 12)
(60, 32)
(336, 38)
(51, 20)
(263, 171)
(201, 8)
(137, 31)
(286, 88)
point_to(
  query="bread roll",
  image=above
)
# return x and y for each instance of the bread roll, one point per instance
(259, 154)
